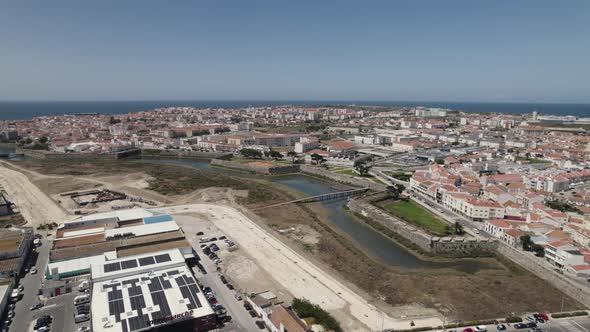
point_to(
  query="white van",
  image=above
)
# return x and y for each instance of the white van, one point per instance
(81, 299)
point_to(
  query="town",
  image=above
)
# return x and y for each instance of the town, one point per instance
(83, 246)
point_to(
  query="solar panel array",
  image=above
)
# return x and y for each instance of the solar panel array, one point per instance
(137, 316)
(133, 263)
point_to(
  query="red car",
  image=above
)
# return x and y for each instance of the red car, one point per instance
(544, 316)
(468, 330)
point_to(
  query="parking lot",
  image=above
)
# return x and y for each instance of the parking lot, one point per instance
(209, 276)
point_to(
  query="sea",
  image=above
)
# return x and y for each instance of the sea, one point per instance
(17, 110)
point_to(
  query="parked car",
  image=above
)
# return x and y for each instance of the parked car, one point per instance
(260, 324)
(33, 270)
(200, 233)
(222, 237)
(468, 330)
(213, 239)
(519, 326)
(10, 314)
(238, 297)
(253, 313)
(37, 306)
(83, 329)
(230, 286)
(223, 280)
(501, 327)
(481, 328)
(247, 306)
(531, 324)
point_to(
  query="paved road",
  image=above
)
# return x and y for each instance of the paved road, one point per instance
(553, 325)
(32, 283)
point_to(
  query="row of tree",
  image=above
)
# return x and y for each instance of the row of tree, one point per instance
(276, 155)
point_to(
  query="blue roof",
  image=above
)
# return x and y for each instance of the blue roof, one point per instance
(157, 219)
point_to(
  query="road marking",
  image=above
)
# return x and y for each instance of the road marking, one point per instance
(580, 326)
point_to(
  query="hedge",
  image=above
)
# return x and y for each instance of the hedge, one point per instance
(570, 314)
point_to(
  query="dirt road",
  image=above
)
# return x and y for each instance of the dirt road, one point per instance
(35, 206)
(300, 277)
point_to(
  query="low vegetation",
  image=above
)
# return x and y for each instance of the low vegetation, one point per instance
(570, 314)
(306, 309)
(416, 215)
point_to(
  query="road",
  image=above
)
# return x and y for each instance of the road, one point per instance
(553, 325)
(32, 283)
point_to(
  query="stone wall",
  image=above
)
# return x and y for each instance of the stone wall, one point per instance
(455, 246)
(184, 154)
(270, 170)
(38, 154)
(581, 293)
(342, 178)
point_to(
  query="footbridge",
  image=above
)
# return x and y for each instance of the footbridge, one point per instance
(322, 197)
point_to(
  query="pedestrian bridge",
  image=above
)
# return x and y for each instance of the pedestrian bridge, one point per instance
(322, 197)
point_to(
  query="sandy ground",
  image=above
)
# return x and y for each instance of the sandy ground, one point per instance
(35, 206)
(296, 274)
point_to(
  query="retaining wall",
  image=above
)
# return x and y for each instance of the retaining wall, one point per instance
(355, 181)
(74, 155)
(432, 244)
(569, 287)
(184, 154)
(271, 170)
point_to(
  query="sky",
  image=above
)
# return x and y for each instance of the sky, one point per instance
(497, 51)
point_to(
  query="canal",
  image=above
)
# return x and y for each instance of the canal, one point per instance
(372, 242)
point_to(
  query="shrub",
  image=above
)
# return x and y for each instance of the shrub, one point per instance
(513, 319)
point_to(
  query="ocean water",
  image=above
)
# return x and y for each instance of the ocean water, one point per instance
(27, 110)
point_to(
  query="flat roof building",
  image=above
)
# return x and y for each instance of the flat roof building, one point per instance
(155, 291)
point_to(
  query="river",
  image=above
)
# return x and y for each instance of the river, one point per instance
(372, 242)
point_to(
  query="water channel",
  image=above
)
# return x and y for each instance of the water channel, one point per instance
(366, 238)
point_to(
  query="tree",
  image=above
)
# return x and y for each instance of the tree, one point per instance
(251, 153)
(276, 155)
(395, 190)
(526, 242)
(267, 154)
(362, 166)
(316, 158)
(458, 228)
(293, 155)
(43, 140)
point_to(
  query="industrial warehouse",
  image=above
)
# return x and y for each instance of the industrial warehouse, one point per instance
(103, 237)
(136, 266)
(155, 291)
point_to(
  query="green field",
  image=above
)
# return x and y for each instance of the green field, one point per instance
(418, 216)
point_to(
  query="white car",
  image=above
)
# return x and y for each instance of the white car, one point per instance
(33, 270)
(481, 328)
(83, 329)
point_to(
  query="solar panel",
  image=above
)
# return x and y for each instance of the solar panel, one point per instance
(180, 281)
(165, 283)
(124, 326)
(129, 264)
(147, 261)
(163, 258)
(159, 298)
(155, 285)
(194, 291)
(110, 267)
(187, 295)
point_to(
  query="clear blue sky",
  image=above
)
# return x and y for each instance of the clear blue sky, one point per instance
(505, 50)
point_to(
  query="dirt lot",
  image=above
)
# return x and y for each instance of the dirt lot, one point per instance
(486, 294)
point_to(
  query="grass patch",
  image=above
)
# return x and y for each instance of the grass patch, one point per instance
(418, 216)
